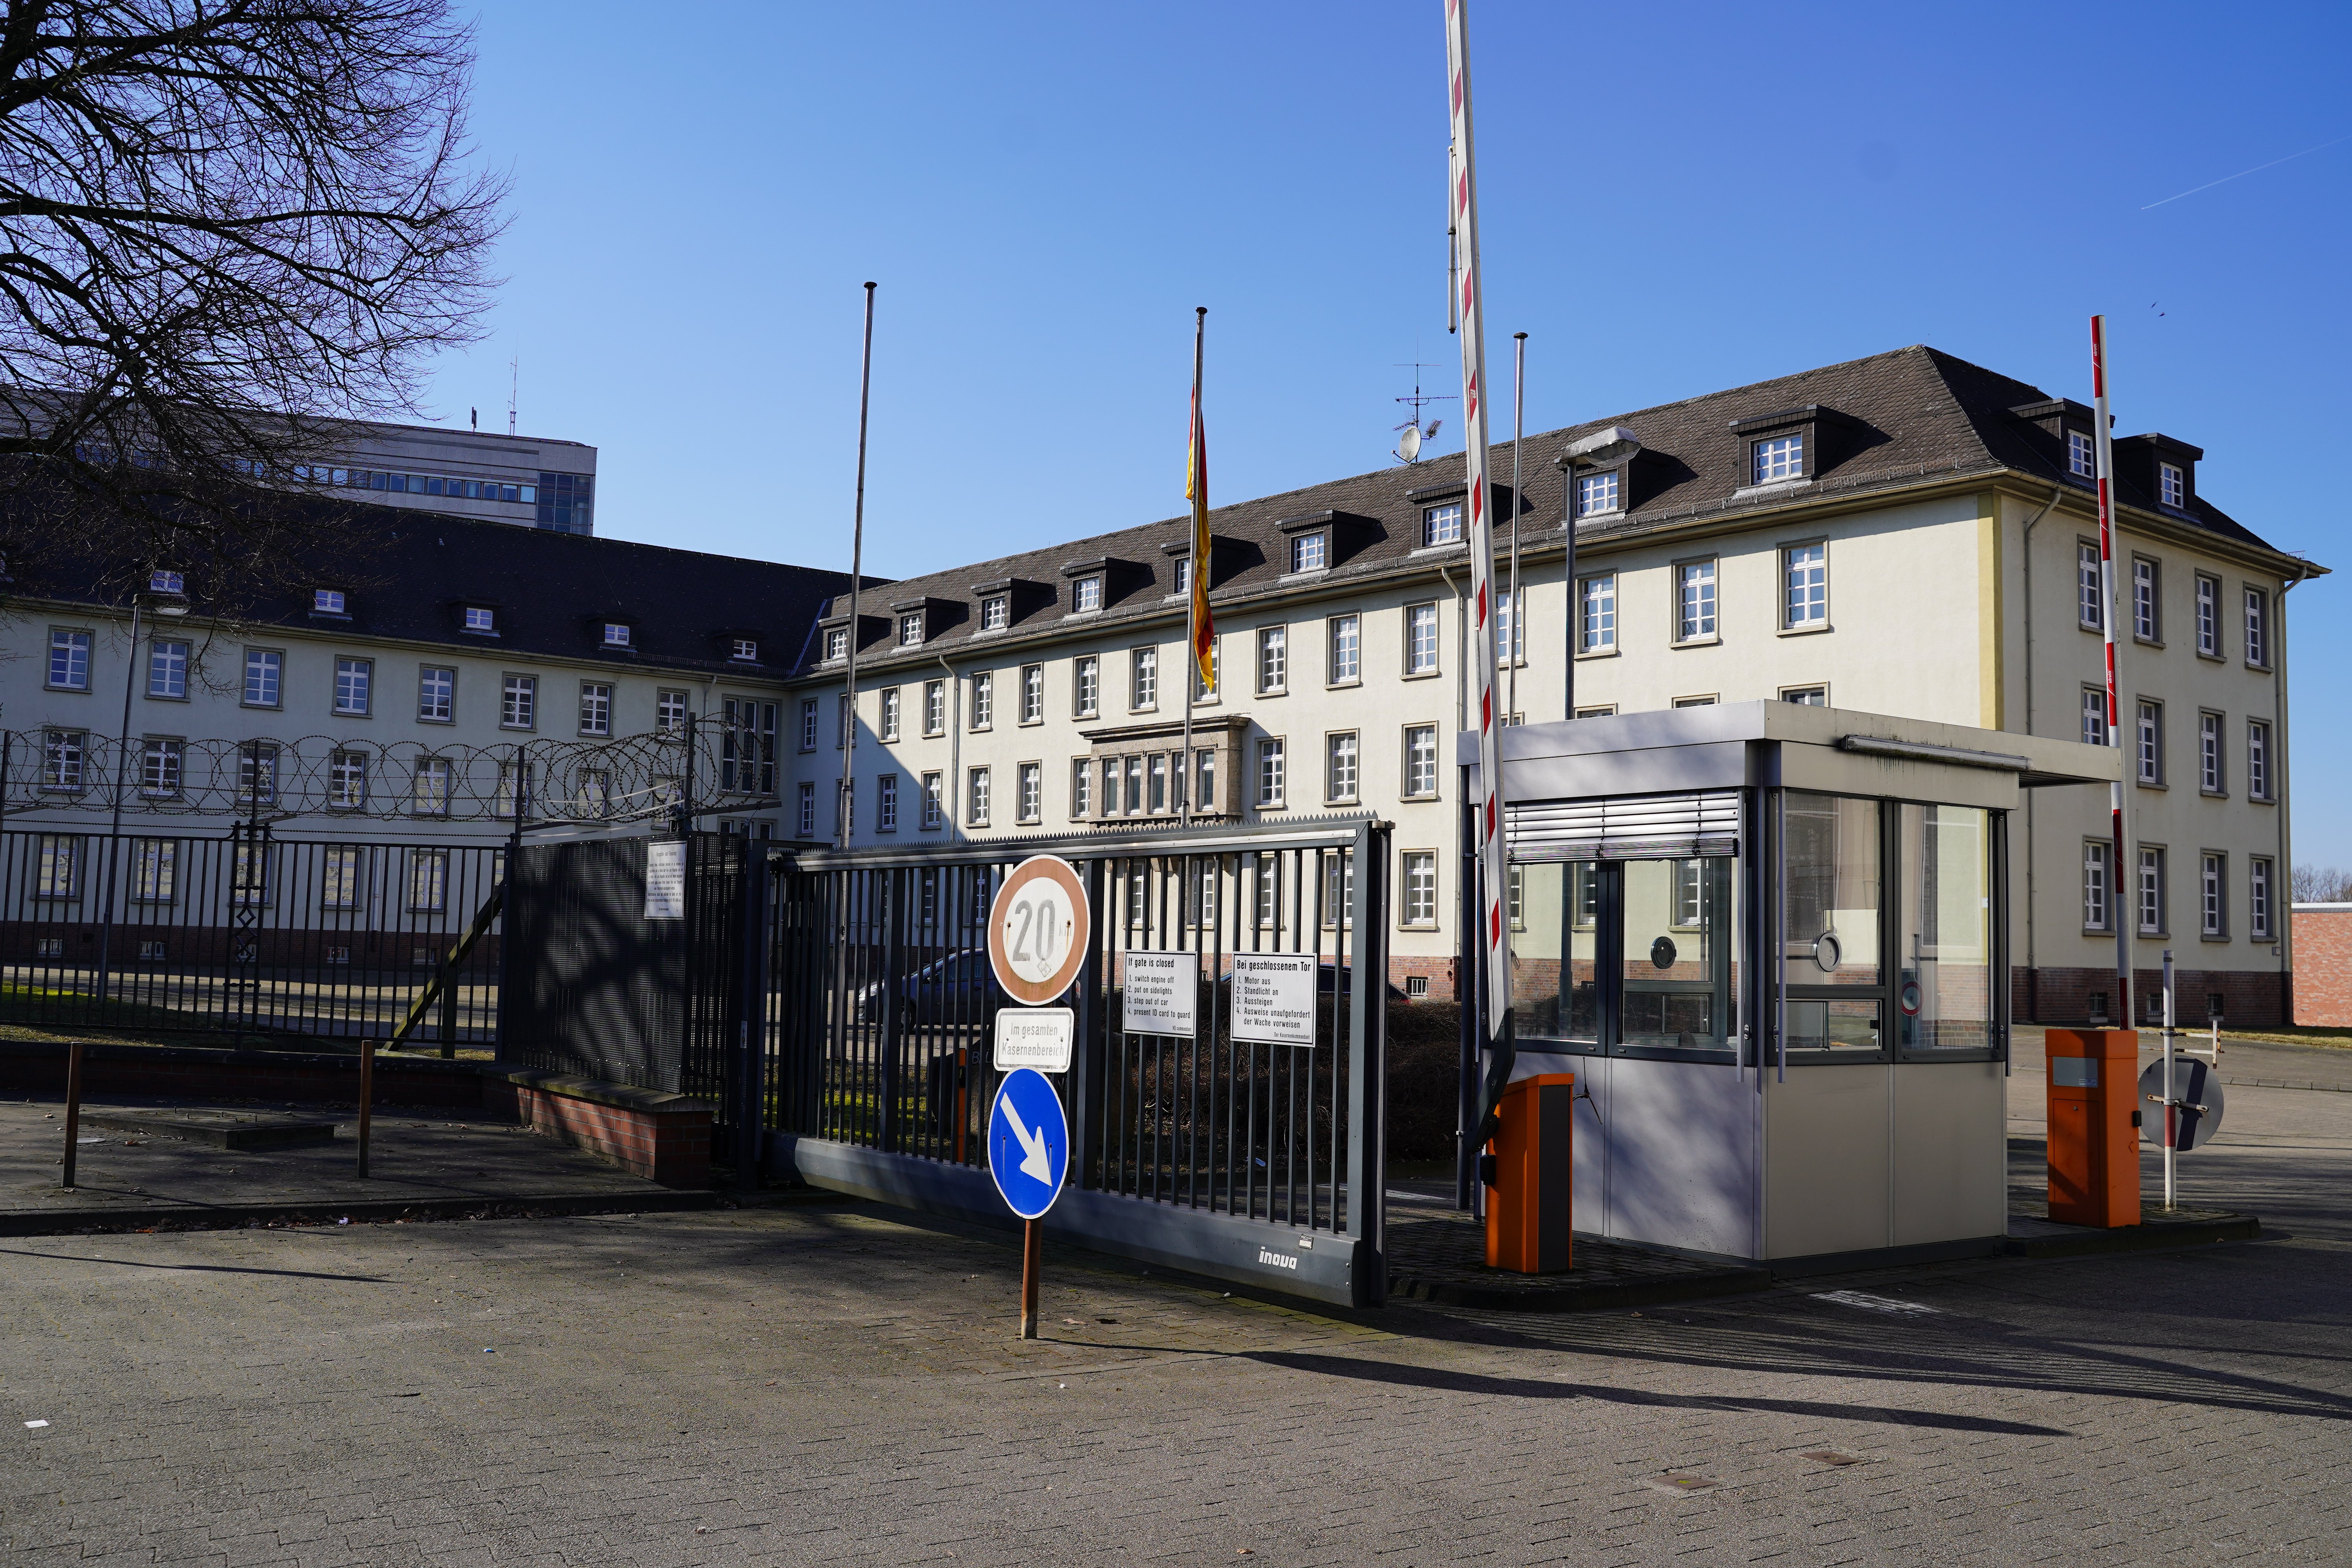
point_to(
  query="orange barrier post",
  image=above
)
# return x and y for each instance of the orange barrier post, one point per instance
(2092, 1079)
(1531, 1206)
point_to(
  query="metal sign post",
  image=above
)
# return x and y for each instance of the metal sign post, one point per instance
(1028, 1156)
(1040, 931)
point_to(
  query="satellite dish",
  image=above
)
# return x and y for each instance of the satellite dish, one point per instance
(1409, 444)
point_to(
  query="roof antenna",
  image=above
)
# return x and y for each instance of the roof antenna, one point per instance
(514, 385)
(1412, 433)
(475, 414)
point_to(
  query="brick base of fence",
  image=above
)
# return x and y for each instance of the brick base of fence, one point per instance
(664, 1138)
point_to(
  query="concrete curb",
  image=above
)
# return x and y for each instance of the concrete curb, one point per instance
(1586, 1297)
(367, 1211)
(2142, 1237)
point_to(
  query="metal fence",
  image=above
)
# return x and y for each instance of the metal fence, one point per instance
(1241, 1158)
(241, 930)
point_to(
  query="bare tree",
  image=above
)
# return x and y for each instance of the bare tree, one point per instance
(2321, 885)
(224, 225)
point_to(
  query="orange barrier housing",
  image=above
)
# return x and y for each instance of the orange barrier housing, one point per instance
(1531, 1201)
(2093, 1118)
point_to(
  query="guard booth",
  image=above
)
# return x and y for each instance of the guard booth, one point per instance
(1771, 942)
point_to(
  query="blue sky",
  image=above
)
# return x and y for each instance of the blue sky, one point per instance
(1676, 198)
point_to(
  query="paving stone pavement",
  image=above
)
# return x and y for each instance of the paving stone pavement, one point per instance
(840, 1384)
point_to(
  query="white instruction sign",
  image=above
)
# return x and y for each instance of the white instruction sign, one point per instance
(666, 879)
(1162, 993)
(1274, 997)
(1035, 1037)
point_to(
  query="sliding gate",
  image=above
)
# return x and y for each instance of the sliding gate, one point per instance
(1236, 1158)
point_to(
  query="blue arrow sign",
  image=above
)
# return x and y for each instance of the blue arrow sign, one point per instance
(1028, 1142)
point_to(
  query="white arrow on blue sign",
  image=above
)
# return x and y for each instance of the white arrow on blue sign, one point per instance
(1028, 1142)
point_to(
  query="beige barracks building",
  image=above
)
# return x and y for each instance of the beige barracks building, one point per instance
(1906, 534)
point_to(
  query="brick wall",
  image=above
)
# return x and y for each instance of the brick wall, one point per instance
(1439, 972)
(662, 1137)
(2322, 965)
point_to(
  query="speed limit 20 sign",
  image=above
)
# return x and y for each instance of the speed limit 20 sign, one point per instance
(1038, 929)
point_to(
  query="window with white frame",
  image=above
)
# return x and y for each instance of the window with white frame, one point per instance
(595, 793)
(2082, 458)
(670, 715)
(436, 695)
(1111, 766)
(1266, 878)
(1269, 772)
(1694, 601)
(1032, 694)
(595, 708)
(2172, 485)
(1082, 787)
(354, 679)
(1805, 586)
(836, 644)
(984, 698)
(1421, 639)
(1086, 687)
(263, 671)
(1340, 767)
(1600, 710)
(910, 630)
(2151, 892)
(516, 787)
(69, 661)
(1596, 618)
(2090, 603)
(1183, 575)
(808, 723)
(2150, 742)
(161, 763)
(1344, 661)
(2258, 760)
(1780, 458)
(1273, 659)
(2145, 600)
(886, 803)
(1339, 888)
(890, 713)
(519, 702)
(2213, 895)
(1419, 888)
(1143, 679)
(616, 633)
(327, 602)
(995, 612)
(167, 670)
(1806, 696)
(1158, 764)
(1596, 493)
(62, 754)
(1421, 761)
(2095, 885)
(2258, 629)
(1441, 524)
(481, 620)
(1033, 791)
(346, 780)
(428, 793)
(2208, 616)
(154, 873)
(2258, 898)
(1518, 898)
(1206, 690)
(745, 650)
(1085, 594)
(976, 797)
(2094, 716)
(58, 873)
(428, 881)
(1133, 798)
(1205, 779)
(1511, 632)
(1306, 551)
(806, 817)
(2209, 752)
(935, 707)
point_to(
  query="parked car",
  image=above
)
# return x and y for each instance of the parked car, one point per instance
(961, 987)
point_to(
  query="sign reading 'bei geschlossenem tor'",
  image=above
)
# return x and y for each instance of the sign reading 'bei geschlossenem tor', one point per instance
(1274, 997)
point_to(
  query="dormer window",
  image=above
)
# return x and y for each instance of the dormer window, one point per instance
(1309, 552)
(836, 644)
(1780, 458)
(747, 650)
(616, 633)
(2172, 485)
(1085, 594)
(164, 581)
(996, 612)
(1183, 574)
(2082, 460)
(326, 601)
(480, 619)
(1596, 493)
(1441, 524)
(910, 630)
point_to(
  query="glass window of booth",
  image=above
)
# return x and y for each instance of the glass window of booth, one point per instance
(1628, 957)
(1830, 924)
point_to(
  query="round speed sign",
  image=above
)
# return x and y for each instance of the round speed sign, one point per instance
(1038, 929)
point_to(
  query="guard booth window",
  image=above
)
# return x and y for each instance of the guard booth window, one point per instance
(1829, 930)
(1631, 957)
(1943, 990)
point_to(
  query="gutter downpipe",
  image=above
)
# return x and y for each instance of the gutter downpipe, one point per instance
(2032, 972)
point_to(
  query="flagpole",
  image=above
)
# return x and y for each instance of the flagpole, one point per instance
(1195, 462)
(1494, 938)
(856, 572)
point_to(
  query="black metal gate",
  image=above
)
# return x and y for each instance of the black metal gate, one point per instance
(1249, 1161)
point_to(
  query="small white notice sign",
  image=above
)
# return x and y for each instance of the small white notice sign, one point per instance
(1274, 997)
(1163, 994)
(666, 879)
(1035, 1037)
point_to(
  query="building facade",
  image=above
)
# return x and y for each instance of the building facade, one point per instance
(1905, 534)
(530, 481)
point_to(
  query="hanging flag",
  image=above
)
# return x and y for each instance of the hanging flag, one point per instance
(1494, 936)
(1196, 491)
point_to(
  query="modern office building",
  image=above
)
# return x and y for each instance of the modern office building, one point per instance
(531, 481)
(1905, 534)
